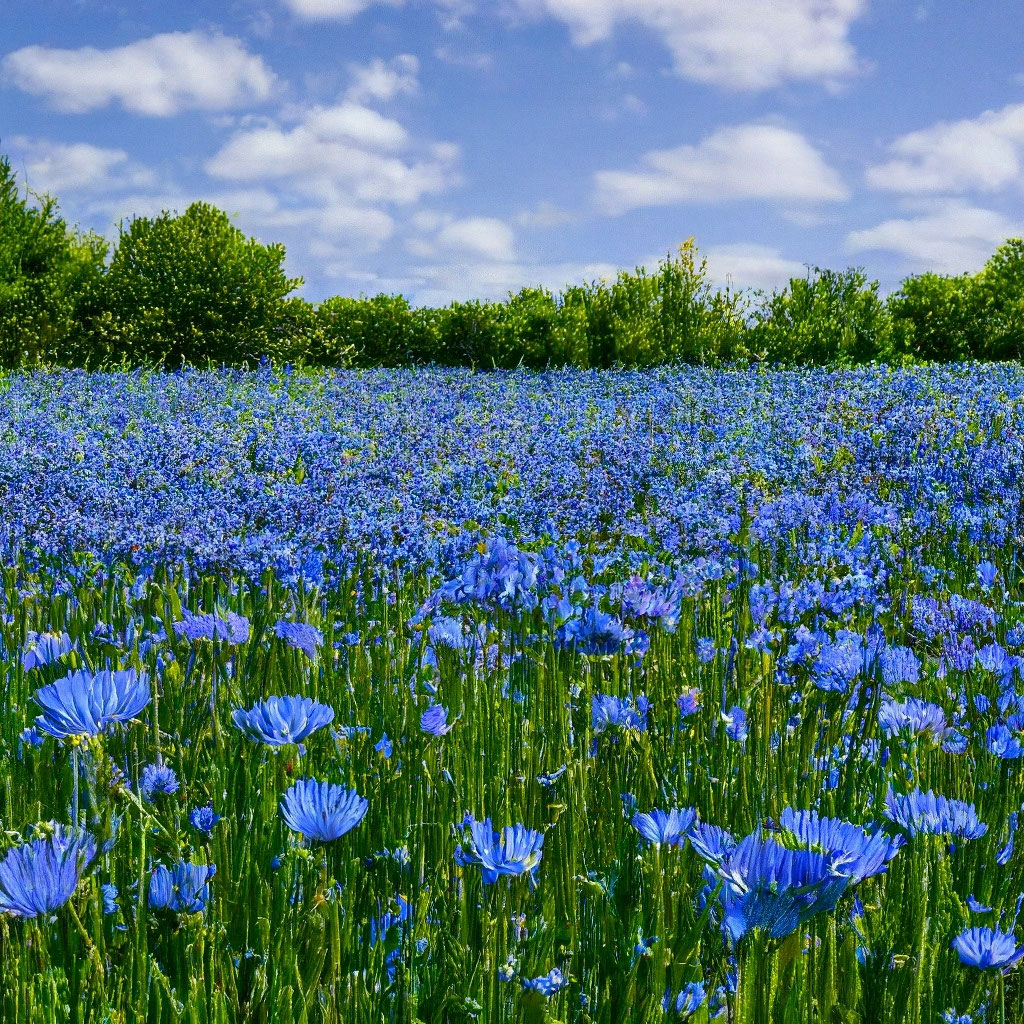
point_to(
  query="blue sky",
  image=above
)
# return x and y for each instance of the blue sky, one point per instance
(462, 148)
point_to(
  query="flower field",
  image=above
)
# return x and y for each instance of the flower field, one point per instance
(433, 696)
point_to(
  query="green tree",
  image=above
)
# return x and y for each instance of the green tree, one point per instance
(938, 318)
(827, 317)
(49, 278)
(1000, 301)
(193, 288)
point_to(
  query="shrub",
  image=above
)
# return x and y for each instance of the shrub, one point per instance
(938, 318)
(192, 288)
(828, 316)
(49, 279)
(1000, 302)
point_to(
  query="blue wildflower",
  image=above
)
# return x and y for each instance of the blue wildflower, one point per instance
(202, 819)
(687, 1002)
(384, 746)
(547, 984)
(987, 947)
(108, 892)
(301, 636)
(607, 712)
(84, 704)
(156, 780)
(322, 811)
(40, 876)
(736, 724)
(183, 889)
(515, 851)
(434, 721)
(852, 850)
(1003, 743)
(229, 628)
(44, 649)
(927, 814)
(913, 716)
(279, 721)
(688, 702)
(668, 827)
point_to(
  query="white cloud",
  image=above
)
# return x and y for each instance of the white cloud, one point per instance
(980, 153)
(948, 236)
(753, 161)
(347, 150)
(747, 265)
(474, 60)
(61, 167)
(384, 80)
(544, 215)
(487, 237)
(330, 10)
(737, 44)
(159, 76)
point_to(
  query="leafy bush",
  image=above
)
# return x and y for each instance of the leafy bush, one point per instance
(827, 317)
(49, 278)
(938, 318)
(1000, 301)
(191, 288)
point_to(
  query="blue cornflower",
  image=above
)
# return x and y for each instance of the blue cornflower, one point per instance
(547, 984)
(608, 712)
(914, 716)
(384, 746)
(736, 724)
(711, 842)
(899, 665)
(1002, 742)
(688, 702)
(668, 827)
(83, 704)
(434, 721)
(44, 649)
(928, 814)
(185, 888)
(279, 721)
(774, 889)
(40, 876)
(987, 574)
(202, 819)
(687, 1002)
(987, 947)
(157, 779)
(852, 850)
(516, 851)
(596, 632)
(229, 628)
(706, 650)
(301, 636)
(322, 811)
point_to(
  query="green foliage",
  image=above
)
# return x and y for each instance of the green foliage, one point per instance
(1000, 290)
(938, 318)
(826, 317)
(49, 277)
(191, 288)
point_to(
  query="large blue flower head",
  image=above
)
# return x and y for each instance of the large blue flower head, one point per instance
(44, 649)
(498, 574)
(928, 814)
(279, 721)
(515, 851)
(914, 716)
(608, 712)
(228, 628)
(768, 887)
(40, 876)
(184, 888)
(322, 811)
(665, 827)
(852, 850)
(987, 947)
(87, 704)
(599, 633)
(157, 780)
(546, 985)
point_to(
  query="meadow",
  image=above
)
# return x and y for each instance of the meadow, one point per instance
(430, 695)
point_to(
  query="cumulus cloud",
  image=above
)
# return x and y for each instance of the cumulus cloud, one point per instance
(486, 238)
(753, 161)
(954, 156)
(347, 149)
(384, 80)
(330, 10)
(739, 44)
(61, 167)
(158, 76)
(947, 236)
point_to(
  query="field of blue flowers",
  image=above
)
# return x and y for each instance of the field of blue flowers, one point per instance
(432, 696)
